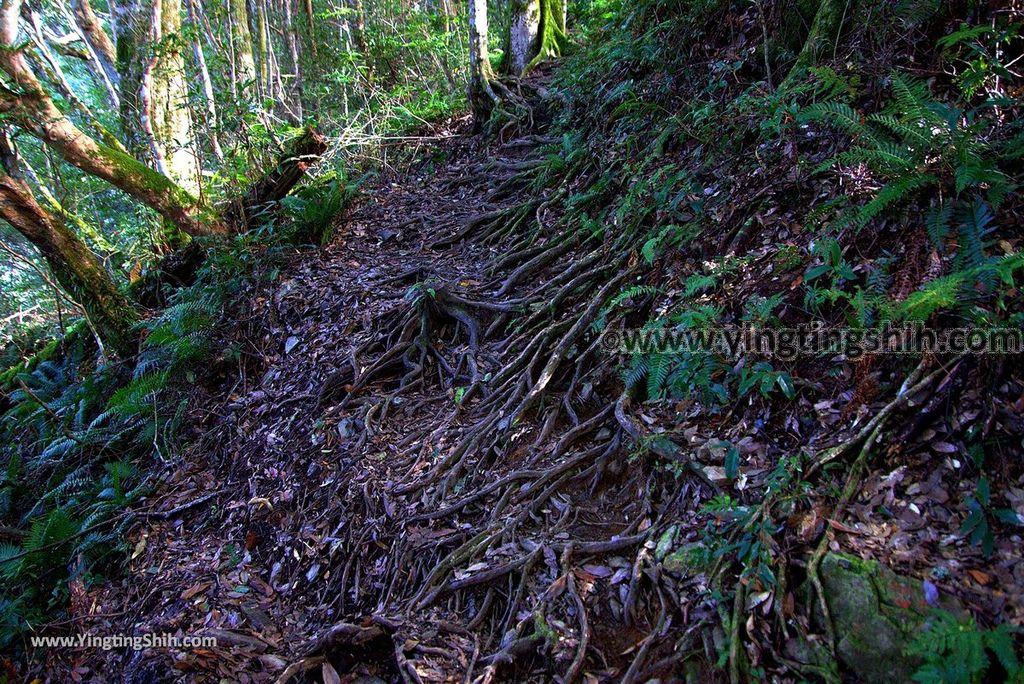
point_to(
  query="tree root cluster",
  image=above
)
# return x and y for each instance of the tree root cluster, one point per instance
(511, 498)
(526, 482)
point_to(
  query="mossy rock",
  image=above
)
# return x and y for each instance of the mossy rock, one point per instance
(876, 614)
(687, 559)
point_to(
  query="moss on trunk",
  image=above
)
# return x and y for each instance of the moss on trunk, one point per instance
(822, 38)
(481, 94)
(536, 33)
(245, 63)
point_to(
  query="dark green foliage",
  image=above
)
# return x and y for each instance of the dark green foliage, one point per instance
(314, 208)
(915, 143)
(960, 652)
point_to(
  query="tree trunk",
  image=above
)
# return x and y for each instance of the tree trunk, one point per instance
(293, 49)
(364, 48)
(92, 237)
(75, 267)
(245, 63)
(133, 18)
(51, 68)
(308, 4)
(101, 48)
(31, 109)
(824, 33)
(521, 45)
(536, 33)
(204, 74)
(302, 151)
(154, 90)
(481, 95)
(171, 115)
(263, 48)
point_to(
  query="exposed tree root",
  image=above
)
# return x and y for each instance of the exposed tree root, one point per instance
(513, 348)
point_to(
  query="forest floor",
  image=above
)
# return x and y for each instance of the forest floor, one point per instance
(279, 518)
(337, 510)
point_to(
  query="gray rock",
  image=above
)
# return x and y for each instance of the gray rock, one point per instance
(876, 614)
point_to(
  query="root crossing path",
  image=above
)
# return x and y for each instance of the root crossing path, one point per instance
(416, 465)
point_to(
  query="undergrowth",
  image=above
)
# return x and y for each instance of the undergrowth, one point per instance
(84, 436)
(887, 176)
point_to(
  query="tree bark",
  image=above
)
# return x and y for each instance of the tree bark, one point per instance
(154, 91)
(75, 267)
(361, 43)
(293, 48)
(245, 63)
(101, 47)
(482, 97)
(302, 151)
(263, 48)
(171, 116)
(536, 33)
(133, 19)
(204, 75)
(308, 4)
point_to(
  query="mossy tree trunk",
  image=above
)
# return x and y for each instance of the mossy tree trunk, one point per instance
(245, 63)
(133, 23)
(536, 33)
(173, 129)
(78, 271)
(154, 89)
(822, 38)
(481, 95)
(32, 109)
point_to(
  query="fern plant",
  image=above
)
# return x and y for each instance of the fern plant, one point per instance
(915, 143)
(955, 652)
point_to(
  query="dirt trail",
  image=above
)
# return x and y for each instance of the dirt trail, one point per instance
(306, 500)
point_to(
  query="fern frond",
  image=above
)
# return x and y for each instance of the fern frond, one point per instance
(837, 115)
(937, 224)
(893, 192)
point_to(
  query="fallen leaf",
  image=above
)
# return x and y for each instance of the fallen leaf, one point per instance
(982, 578)
(330, 675)
(195, 589)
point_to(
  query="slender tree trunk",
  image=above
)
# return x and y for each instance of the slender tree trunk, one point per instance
(81, 227)
(364, 49)
(51, 67)
(232, 58)
(100, 47)
(75, 267)
(293, 49)
(309, 25)
(263, 49)
(481, 95)
(204, 75)
(446, 9)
